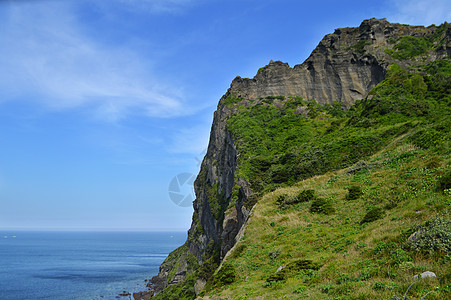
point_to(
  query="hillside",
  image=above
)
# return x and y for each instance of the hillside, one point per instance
(332, 164)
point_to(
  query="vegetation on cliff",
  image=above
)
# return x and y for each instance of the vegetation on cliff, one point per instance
(352, 201)
(363, 247)
(386, 174)
(279, 146)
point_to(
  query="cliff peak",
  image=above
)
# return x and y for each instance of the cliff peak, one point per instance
(344, 66)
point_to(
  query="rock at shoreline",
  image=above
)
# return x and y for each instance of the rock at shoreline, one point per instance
(142, 295)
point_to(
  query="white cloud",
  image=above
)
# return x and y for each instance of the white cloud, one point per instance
(46, 58)
(420, 12)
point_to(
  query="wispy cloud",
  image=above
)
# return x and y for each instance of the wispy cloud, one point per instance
(419, 12)
(45, 57)
(160, 6)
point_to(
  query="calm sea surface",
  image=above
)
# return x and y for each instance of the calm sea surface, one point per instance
(80, 265)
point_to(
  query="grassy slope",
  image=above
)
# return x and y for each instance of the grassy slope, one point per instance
(358, 261)
(405, 131)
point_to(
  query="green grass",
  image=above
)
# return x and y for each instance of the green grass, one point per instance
(356, 261)
(410, 47)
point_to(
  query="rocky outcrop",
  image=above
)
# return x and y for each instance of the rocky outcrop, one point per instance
(344, 67)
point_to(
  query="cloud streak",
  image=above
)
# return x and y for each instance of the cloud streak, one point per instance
(159, 6)
(45, 58)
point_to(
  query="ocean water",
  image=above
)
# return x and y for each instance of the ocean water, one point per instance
(80, 265)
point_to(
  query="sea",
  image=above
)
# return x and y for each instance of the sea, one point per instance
(80, 265)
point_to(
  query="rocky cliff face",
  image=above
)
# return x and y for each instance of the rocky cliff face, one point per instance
(344, 67)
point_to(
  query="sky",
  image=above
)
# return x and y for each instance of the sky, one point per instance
(106, 106)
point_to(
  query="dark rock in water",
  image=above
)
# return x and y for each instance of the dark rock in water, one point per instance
(124, 294)
(142, 295)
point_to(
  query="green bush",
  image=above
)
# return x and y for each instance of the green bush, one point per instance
(379, 286)
(274, 254)
(359, 47)
(322, 206)
(211, 260)
(373, 215)
(281, 199)
(226, 275)
(432, 236)
(292, 269)
(354, 192)
(444, 181)
(239, 249)
(304, 196)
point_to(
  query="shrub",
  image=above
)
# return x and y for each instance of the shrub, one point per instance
(211, 260)
(239, 249)
(360, 46)
(354, 192)
(444, 182)
(292, 269)
(306, 195)
(226, 275)
(327, 288)
(322, 206)
(379, 286)
(274, 254)
(432, 236)
(373, 215)
(281, 199)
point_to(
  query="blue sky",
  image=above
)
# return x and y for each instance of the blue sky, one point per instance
(102, 103)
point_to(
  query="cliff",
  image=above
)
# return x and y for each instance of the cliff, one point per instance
(343, 68)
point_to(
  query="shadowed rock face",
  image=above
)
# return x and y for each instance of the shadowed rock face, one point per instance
(344, 67)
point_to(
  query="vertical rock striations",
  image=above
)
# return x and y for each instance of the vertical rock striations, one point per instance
(344, 67)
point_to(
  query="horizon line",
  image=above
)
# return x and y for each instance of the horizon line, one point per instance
(93, 229)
